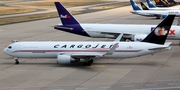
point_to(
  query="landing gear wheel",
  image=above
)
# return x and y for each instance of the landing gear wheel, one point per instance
(158, 18)
(88, 63)
(84, 64)
(17, 62)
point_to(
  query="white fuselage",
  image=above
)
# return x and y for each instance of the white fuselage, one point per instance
(52, 49)
(157, 12)
(106, 30)
(162, 8)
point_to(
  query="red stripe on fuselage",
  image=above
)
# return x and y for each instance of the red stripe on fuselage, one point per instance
(43, 51)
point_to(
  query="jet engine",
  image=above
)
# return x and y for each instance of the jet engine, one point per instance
(66, 59)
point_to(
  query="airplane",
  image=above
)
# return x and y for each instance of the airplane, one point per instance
(172, 2)
(67, 52)
(132, 32)
(153, 7)
(152, 13)
(166, 3)
(161, 3)
(144, 7)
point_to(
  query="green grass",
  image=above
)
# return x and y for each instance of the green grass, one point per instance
(54, 14)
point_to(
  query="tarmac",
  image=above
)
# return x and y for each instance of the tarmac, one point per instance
(151, 72)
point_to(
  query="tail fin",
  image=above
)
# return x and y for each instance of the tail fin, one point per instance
(172, 2)
(65, 16)
(159, 34)
(144, 7)
(150, 4)
(134, 5)
(160, 3)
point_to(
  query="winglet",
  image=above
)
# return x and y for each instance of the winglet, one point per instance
(134, 5)
(111, 51)
(160, 33)
(118, 38)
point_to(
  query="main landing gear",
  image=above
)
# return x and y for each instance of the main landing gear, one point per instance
(16, 60)
(158, 17)
(88, 62)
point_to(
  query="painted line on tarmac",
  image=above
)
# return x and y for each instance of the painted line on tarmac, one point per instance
(161, 88)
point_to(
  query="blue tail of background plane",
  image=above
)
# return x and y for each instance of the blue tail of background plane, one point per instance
(134, 5)
(150, 4)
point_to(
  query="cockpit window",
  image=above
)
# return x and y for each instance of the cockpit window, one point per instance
(9, 47)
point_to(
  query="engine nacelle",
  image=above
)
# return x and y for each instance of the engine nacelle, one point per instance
(66, 59)
(139, 37)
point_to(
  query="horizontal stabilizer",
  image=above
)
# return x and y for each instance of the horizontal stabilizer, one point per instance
(62, 28)
(167, 43)
(160, 49)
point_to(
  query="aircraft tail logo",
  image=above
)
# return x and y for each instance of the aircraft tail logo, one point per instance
(65, 16)
(160, 31)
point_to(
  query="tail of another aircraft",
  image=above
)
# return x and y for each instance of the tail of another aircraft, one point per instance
(134, 5)
(159, 34)
(144, 7)
(161, 3)
(172, 2)
(65, 16)
(150, 4)
(69, 23)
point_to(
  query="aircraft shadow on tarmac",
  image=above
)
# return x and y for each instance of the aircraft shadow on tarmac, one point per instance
(78, 64)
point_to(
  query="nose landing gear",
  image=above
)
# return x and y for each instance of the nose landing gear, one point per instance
(16, 60)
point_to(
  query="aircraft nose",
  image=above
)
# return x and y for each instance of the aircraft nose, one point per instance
(5, 50)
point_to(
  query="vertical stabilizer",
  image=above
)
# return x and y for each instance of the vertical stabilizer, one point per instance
(150, 4)
(159, 34)
(144, 7)
(69, 23)
(160, 3)
(134, 5)
(64, 15)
